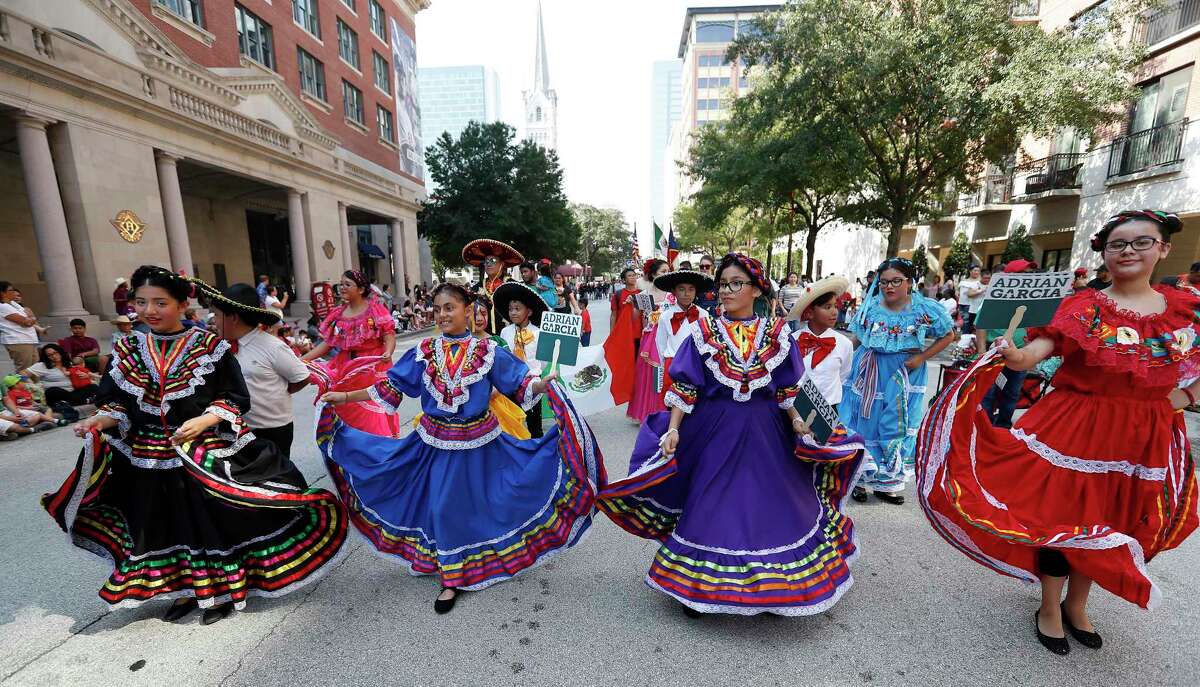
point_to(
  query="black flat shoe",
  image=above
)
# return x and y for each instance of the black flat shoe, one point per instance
(894, 499)
(444, 606)
(1091, 640)
(216, 613)
(691, 612)
(859, 494)
(1056, 645)
(177, 611)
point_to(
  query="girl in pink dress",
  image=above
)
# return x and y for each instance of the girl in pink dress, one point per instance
(361, 334)
(648, 370)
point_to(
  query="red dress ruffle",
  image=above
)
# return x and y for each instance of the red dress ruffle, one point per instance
(1100, 469)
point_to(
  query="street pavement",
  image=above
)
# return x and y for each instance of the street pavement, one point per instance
(919, 613)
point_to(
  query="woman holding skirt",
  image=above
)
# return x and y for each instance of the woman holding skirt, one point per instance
(1097, 478)
(174, 489)
(747, 508)
(884, 399)
(459, 498)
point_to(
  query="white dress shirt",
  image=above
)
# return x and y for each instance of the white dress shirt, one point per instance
(834, 370)
(509, 334)
(268, 366)
(669, 341)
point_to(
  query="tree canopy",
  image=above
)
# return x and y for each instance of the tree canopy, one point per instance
(1019, 247)
(927, 92)
(959, 259)
(605, 241)
(487, 185)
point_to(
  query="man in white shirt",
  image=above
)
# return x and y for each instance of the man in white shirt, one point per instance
(523, 308)
(17, 329)
(828, 354)
(677, 321)
(270, 367)
(970, 291)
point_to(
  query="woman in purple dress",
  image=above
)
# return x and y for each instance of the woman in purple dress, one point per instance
(746, 505)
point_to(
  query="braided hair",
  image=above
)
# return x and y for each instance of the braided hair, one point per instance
(178, 286)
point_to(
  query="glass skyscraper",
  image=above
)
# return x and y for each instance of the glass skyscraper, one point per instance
(666, 108)
(453, 96)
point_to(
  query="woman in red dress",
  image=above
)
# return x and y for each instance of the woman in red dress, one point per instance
(624, 335)
(362, 336)
(1097, 478)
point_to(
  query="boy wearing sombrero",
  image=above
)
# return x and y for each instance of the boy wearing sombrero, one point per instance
(827, 352)
(677, 320)
(272, 370)
(495, 259)
(523, 308)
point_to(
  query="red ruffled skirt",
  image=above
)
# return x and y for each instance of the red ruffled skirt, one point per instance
(1105, 479)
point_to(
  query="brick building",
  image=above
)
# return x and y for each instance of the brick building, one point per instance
(224, 138)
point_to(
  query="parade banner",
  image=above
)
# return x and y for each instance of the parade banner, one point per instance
(589, 381)
(563, 329)
(408, 109)
(1039, 292)
(822, 419)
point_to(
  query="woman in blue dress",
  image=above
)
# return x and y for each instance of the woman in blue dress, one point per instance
(884, 399)
(458, 497)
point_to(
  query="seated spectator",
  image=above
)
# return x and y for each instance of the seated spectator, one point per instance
(81, 349)
(18, 404)
(54, 374)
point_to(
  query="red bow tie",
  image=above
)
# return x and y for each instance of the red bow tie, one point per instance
(691, 315)
(819, 345)
(233, 345)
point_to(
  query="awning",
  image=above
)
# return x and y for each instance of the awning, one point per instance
(371, 250)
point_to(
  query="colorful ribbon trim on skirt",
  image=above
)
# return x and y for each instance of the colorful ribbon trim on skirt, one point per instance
(866, 382)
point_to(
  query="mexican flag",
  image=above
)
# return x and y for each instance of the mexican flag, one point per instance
(660, 241)
(589, 382)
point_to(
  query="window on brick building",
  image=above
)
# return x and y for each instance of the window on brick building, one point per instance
(387, 129)
(254, 37)
(378, 20)
(186, 9)
(350, 4)
(312, 75)
(383, 75)
(348, 44)
(305, 14)
(352, 103)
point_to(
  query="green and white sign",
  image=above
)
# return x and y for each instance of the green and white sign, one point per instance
(816, 411)
(561, 329)
(1039, 292)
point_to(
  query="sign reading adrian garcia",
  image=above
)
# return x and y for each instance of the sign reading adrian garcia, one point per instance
(1039, 292)
(563, 328)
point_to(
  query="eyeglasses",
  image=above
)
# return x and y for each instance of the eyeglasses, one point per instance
(898, 281)
(732, 286)
(1139, 244)
(489, 260)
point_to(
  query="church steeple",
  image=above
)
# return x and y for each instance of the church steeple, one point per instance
(541, 103)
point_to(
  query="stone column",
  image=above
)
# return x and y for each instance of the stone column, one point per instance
(344, 233)
(399, 264)
(298, 234)
(172, 205)
(49, 220)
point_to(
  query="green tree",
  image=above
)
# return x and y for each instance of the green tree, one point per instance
(1020, 246)
(698, 226)
(605, 239)
(486, 185)
(959, 259)
(920, 260)
(930, 91)
(785, 173)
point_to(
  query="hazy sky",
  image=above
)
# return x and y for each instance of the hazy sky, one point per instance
(601, 57)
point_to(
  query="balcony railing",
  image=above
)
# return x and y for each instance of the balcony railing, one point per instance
(1173, 18)
(1059, 171)
(1024, 8)
(994, 189)
(1145, 150)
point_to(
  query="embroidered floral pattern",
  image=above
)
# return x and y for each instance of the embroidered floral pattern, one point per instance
(451, 391)
(725, 361)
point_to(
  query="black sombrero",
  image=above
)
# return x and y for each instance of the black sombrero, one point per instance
(511, 291)
(241, 300)
(474, 252)
(670, 280)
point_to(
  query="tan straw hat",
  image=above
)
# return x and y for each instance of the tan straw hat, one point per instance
(835, 285)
